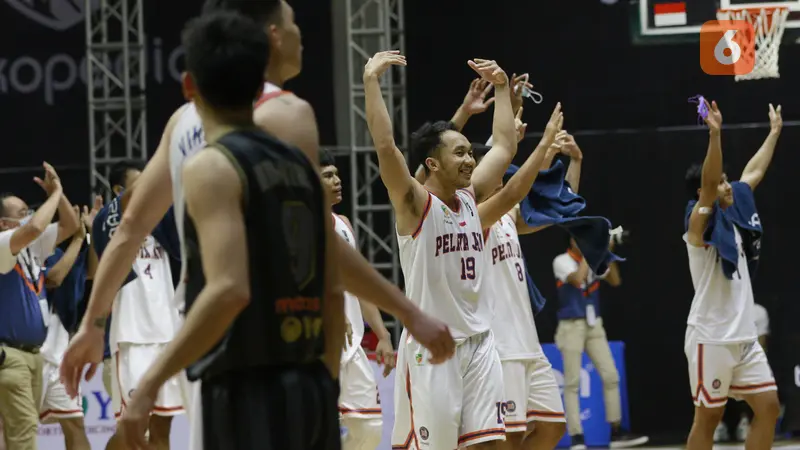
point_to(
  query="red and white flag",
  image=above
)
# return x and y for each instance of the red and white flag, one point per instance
(669, 14)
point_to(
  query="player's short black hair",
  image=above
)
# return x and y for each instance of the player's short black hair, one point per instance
(119, 172)
(226, 54)
(326, 158)
(693, 179)
(426, 141)
(260, 11)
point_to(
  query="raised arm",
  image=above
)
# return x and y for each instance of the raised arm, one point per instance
(213, 192)
(490, 171)
(59, 271)
(474, 102)
(757, 166)
(570, 148)
(406, 194)
(491, 210)
(710, 178)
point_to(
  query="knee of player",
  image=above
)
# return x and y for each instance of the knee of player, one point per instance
(72, 426)
(160, 427)
(708, 417)
(550, 432)
(766, 405)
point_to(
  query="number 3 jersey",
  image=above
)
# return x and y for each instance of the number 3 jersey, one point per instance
(443, 265)
(142, 311)
(513, 326)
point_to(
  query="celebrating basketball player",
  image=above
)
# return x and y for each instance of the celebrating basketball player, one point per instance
(441, 253)
(723, 240)
(359, 404)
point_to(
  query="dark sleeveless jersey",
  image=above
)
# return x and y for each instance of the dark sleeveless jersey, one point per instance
(283, 213)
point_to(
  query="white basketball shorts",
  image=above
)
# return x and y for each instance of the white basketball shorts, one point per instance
(532, 393)
(359, 390)
(454, 404)
(717, 371)
(56, 404)
(131, 362)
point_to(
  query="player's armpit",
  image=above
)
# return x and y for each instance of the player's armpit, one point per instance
(292, 120)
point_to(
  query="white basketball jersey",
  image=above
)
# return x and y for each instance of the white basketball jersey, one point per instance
(722, 309)
(56, 342)
(143, 311)
(352, 307)
(443, 264)
(513, 326)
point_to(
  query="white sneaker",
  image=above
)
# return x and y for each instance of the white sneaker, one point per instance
(721, 433)
(742, 429)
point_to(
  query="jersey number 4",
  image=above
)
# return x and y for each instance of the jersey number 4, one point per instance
(147, 272)
(468, 268)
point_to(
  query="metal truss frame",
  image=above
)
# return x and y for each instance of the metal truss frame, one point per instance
(116, 85)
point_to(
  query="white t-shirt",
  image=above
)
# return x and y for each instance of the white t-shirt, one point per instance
(513, 325)
(352, 307)
(566, 264)
(444, 263)
(722, 309)
(31, 259)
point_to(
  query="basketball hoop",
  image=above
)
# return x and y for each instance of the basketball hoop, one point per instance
(768, 26)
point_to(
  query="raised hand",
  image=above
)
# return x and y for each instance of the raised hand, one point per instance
(570, 147)
(475, 101)
(519, 125)
(775, 119)
(518, 83)
(489, 70)
(714, 118)
(553, 125)
(51, 182)
(88, 215)
(80, 232)
(381, 61)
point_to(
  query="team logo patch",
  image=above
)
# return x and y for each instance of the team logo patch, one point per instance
(423, 433)
(716, 384)
(445, 211)
(511, 406)
(418, 357)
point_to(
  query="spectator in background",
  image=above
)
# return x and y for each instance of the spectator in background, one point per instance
(26, 240)
(581, 327)
(738, 414)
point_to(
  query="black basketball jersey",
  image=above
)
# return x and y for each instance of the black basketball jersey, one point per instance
(283, 213)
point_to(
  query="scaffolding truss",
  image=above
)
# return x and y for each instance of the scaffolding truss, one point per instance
(116, 86)
(373, 26)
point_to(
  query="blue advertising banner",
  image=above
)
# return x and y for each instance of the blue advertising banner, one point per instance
(596, 431)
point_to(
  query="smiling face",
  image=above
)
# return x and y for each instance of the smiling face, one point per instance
(453, 162)
(330, 177)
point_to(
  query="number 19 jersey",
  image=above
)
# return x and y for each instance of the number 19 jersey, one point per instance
(443, 265)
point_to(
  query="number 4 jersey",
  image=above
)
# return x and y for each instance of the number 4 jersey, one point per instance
(142, 309)
(443, 265)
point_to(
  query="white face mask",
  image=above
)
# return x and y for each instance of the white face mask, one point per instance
(22, 221)
(529, 93)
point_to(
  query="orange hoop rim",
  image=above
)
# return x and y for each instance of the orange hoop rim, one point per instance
(768, 10)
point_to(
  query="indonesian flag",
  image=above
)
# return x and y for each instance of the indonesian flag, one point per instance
(669, 14)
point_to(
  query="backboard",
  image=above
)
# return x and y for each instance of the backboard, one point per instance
(676, 21)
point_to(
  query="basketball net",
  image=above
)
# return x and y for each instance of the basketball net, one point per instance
(768, 26)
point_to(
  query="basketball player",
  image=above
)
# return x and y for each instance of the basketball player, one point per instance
(141, 319)
(259, 305)
(359, 403)
(289, 118)
(56, 405)
(722, 348)
(441, 253)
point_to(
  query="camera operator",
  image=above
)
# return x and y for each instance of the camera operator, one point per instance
(26, 240)
(581, 327)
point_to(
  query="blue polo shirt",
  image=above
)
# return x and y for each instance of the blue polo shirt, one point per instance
(23, 304)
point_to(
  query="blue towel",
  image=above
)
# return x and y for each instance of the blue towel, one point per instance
(552, 202)
(65, 300)
(719, 232)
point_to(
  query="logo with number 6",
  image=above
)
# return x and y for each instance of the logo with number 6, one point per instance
(727, 47)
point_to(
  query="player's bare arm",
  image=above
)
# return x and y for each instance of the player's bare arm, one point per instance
(214, 201)
(578, 277)
(59, 271)
(710, 178)
(613, 276)
(757, 166)
(68, 220)
(490, 171)
(149, 199)
(29, 232)
(520, 184)
(292, 120)
(87, 218)
(406, 194)
(571, 149)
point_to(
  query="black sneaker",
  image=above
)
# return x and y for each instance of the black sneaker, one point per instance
(624, 440)
(577, 442)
